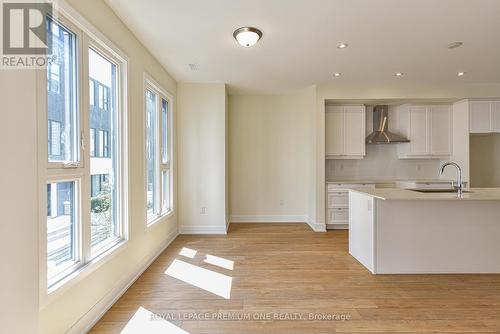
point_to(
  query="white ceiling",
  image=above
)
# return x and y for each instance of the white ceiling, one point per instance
(299, 46)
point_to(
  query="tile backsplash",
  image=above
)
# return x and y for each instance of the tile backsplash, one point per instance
(381, 162)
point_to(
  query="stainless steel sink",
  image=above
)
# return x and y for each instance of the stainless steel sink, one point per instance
(437, 190)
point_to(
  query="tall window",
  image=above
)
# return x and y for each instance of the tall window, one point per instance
(85, 194)
(158, 152)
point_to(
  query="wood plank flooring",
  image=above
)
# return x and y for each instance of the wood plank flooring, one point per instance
(286, 269)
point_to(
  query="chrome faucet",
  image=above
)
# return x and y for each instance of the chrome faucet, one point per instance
(459, 186)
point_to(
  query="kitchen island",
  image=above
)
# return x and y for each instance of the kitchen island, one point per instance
(400, 231)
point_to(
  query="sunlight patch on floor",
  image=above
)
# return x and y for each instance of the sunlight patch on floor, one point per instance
(220, 262)
(146, 322)
(202, 278)
(188, 252)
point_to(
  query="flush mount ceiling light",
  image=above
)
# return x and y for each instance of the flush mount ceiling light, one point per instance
(342, 45)
(455, 45)
(338, 74)
(247, 36)
(460, 74)
(399, 74)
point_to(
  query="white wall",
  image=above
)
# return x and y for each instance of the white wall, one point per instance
(18, 203)
(202, 157)
(270, 139)
(485, 160)
(73, 307)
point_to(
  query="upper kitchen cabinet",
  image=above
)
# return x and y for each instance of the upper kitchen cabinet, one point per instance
(429, 129)
(345, 131)
(484, 116)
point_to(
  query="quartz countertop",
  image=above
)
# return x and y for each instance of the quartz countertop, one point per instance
(475, 194)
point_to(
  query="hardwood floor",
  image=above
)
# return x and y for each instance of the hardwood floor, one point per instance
(282, 269)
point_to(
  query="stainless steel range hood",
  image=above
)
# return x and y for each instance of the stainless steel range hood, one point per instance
(381, 134)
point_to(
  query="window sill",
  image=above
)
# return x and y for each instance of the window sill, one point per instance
(54, 291)
(159, 219)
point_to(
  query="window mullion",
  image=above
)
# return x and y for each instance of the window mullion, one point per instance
(158, 155)
(85, 130)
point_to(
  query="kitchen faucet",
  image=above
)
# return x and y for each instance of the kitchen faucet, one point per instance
(459, 185)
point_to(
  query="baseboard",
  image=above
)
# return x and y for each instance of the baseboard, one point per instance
(89, 319)
(203, 229)
(278, 219)
(337, 226)
(316, 227)
(267, 219)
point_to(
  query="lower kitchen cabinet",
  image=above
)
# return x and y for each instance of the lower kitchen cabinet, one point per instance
(337, 215)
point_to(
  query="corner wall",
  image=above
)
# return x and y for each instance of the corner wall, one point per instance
(270, 157)
(202, 157)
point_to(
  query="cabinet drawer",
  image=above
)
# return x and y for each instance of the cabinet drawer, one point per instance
(338, 200)
(338, 216)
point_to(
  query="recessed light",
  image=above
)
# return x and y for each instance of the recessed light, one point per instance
(455, 45)
(342, 45)
(338, 74)
(399, 74)
(247, 36)
(460, 74)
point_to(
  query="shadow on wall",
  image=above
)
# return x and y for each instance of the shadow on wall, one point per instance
(485, 160)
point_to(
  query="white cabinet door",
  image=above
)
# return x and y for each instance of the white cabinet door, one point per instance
(354, 130)
(419, 135)
(441, 130)
(334, 131)
(480, 117)
(496, 108)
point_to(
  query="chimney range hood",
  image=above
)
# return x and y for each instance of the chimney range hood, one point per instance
(381, 134)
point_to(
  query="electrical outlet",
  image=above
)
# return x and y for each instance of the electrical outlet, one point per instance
(419, 167)
(282, 202)
(203, 210)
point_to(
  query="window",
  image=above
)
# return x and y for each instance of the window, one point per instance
(101, 97)
(62, 107)
(158, 152)
(62, 229)
(55, 78)
(105, 98)
(92, 142)
(54, 139)
(85, 202)
(91, 92)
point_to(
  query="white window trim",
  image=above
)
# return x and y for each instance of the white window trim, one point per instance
(85, 32)
(149, 83)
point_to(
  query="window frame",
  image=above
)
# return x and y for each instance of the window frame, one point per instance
(48, 172)
(161, 94)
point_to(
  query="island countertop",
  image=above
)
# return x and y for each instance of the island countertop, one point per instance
(472, 194)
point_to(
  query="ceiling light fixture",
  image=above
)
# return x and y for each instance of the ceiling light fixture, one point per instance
(460, 74)
(455, 45)
(247, 36)
(399, 74)
(342, 45)
(338, 74)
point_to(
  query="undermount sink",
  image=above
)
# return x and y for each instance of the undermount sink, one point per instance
(437, 190)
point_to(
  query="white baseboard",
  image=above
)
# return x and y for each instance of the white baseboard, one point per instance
(267, 219)
(316, 227)
(203, 229)
(278, 219)
(89, 319)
